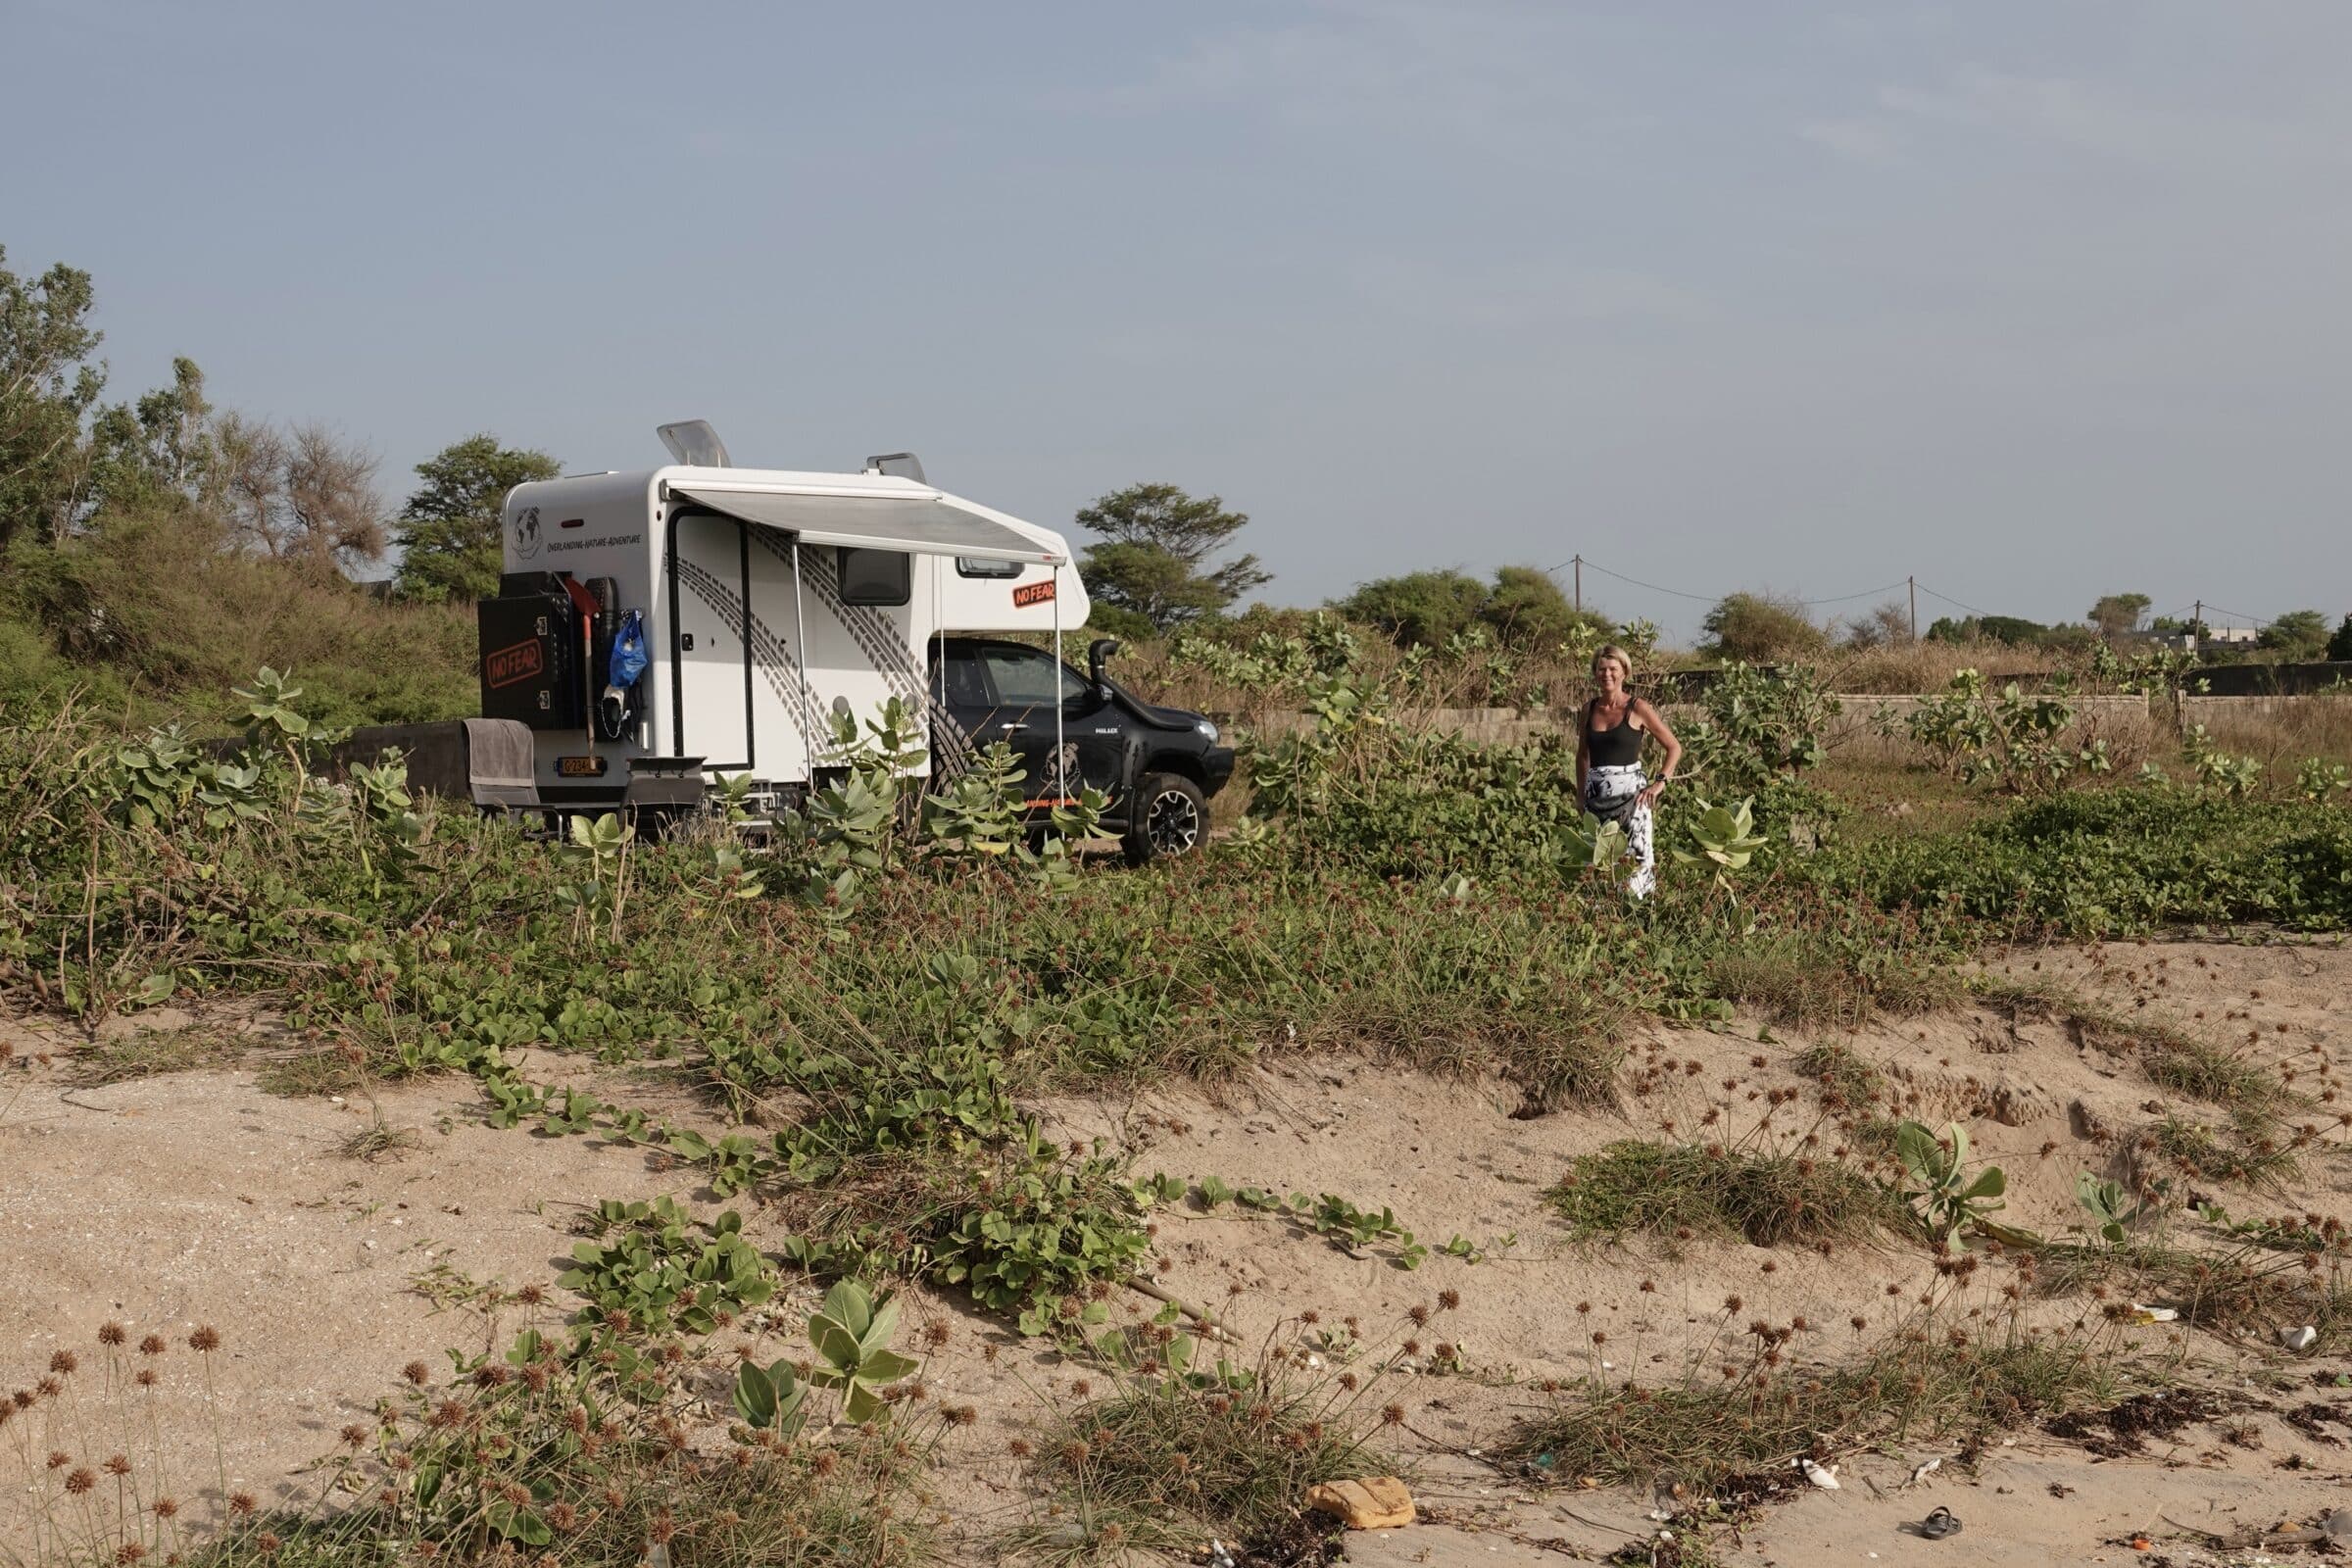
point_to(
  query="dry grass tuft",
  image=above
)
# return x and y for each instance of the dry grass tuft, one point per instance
(1163, 1465)
(150, 1054)
(1753, 1416)
(1765, 1197)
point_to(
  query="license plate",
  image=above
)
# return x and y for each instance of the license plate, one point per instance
(580, 766)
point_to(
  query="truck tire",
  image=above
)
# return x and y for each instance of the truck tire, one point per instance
(1169, 818)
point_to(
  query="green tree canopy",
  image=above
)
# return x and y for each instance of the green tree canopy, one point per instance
(1523, 608)
(449, 530)
(2339, 646)
(1757, 628)
(159, 454)
(1526, 610)
(1420, 608)
(46, 385)
(2014, 630)
(2118, 615)
(2298, 634)
(1153, 563)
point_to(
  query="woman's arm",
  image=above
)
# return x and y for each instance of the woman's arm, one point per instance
(1655, 723)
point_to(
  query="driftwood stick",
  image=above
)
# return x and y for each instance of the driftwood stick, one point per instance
(1208, 1326)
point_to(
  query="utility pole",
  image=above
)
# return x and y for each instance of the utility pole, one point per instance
(1580, 585)
(1913, 584)
(2196, 626)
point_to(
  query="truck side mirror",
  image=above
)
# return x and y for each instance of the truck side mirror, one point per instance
(1098, 654)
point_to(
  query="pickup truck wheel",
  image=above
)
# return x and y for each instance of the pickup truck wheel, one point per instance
(1170, 817)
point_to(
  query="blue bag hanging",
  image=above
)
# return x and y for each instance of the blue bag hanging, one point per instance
(628, 651)
(621, 674)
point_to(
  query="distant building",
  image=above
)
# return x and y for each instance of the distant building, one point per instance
(2215, 637)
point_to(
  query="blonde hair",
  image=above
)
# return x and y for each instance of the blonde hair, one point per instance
(1612, 650)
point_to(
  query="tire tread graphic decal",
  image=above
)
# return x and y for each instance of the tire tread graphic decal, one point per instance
(773, 657)
(878, 638)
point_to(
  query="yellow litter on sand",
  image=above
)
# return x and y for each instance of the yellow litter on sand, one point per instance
(1380, 1503)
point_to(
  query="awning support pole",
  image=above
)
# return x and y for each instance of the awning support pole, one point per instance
(1062, 777)
(800, 636)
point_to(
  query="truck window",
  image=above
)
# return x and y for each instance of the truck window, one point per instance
(1024, 677)
(874, 577)
(960, 680)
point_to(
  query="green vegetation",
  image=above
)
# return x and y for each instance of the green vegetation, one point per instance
(1522, 608)
(1170, 1461)
(1948, 1199)
(1745, 1415)
(572, 1442)
(450, 548)
(1764, 1196)
(1760, 629)
(1151, 571)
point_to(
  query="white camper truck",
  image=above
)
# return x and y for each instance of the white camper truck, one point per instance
(769, 600)
(655, 629)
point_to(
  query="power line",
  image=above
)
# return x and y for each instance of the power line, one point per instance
(1709, 599)
(2210, 609)
(1954, 603)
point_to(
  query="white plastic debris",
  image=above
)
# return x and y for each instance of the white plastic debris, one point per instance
(1824, 1476)
(2152, 1314)
(2302, 1339)
(1926, 1468)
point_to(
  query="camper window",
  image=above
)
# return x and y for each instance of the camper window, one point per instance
(966, 567)
(875, 577)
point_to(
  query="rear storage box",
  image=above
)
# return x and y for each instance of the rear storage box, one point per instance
(533, 650)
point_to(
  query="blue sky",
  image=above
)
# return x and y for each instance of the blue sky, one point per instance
(2033, 300)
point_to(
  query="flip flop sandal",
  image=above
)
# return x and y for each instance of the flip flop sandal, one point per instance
(1940, 1524)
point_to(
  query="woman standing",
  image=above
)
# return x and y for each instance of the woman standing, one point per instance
(1608, 758)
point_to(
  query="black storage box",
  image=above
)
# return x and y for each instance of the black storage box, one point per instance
(531, 647)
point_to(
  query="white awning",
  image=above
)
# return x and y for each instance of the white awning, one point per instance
(910, 525)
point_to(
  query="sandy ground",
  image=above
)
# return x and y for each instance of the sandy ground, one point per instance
(172, 1202)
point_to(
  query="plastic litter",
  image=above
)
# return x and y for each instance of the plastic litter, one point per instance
(1824, 1476)
(1940, 1524)
(1381, 1502)
(1926, 1468)
(2153, 1314)
(2302, 1339)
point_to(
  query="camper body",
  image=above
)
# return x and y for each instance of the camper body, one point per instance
(770, 599)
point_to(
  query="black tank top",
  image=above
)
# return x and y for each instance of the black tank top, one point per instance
(1618, 746)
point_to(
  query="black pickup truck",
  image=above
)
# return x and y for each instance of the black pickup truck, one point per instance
(1158, 766)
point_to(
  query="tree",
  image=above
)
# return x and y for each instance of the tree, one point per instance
(1152, 561)
(1419, 608)
(45, 387)
(1757, 628)
(157, 455)
(2298, 634)
(1888, 627)
(2339, 646)
(304, 495)
(1528, 611)
(449, 530)
(2118, 615)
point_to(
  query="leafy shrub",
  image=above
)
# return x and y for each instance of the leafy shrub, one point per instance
(1756, 727)
(2012, 741)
